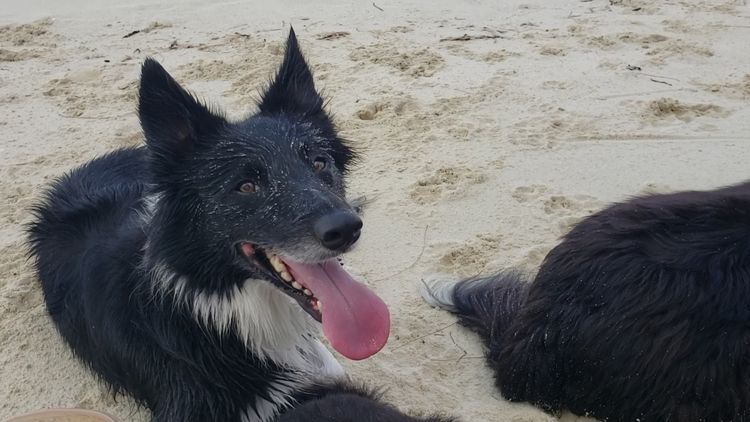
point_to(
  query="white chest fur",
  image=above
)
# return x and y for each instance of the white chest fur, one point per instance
(270, 323)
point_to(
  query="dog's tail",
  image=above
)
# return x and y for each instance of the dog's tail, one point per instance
(486, 305)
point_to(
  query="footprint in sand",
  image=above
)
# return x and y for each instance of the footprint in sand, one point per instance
(245, 74)
(565, 205)
(392, 107)
(329, 36)
(27, 41)
(35, 33)
(636, 6)
(370, 111)
(82, 91)
(16, 56)
(670, 108)
(446, 182)
(553, 50)
(467, 258)
(529, 193)
(656, 47)
(738, 89)
(494, 56)
(556, 85)
(414, 62)
(655, 189)
(570, 210)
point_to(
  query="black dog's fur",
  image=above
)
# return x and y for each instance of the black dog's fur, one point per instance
(129, 247)
(349, 403)
(641, 313)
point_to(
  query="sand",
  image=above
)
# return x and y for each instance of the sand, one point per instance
(487, 129)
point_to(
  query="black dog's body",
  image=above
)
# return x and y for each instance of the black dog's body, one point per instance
(98, 295)
(157, 262)
(642, 313)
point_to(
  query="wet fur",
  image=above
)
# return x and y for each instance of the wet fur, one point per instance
(136, 253)
(351, 403)
(640, 313)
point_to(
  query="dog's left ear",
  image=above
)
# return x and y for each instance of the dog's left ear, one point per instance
(293, 88)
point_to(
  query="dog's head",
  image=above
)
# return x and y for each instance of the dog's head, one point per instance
(261, 198)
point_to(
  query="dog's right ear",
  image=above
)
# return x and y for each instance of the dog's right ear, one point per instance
(173, 121)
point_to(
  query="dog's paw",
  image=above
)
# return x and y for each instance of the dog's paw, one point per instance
(437, 290)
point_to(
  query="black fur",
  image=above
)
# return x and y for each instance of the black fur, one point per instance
(350, 403)
(98, 244)
(488, 306)
(641, 313)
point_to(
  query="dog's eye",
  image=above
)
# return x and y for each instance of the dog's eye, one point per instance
(247, 187)
(319, 164)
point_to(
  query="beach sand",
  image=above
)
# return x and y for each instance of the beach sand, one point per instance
(486, 130)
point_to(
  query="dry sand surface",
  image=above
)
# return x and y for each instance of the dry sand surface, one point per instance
(487, 129)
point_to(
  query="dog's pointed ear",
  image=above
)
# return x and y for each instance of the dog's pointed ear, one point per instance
(293, 88)
(173, 121)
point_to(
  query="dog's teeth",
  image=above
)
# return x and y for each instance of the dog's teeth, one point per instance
(277, 264)
(296, 285)
(320, 306)
(286, 276)
(308, 292)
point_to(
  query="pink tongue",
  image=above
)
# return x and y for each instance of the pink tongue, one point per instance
(355, 320)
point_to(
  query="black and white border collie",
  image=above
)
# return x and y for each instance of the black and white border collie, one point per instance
(193, 273)
(641, 313)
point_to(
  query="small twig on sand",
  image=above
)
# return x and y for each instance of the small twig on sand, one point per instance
(451, 360)
(84, 117)
(424, 336)
(642, 93)
(660, 82)
(334, 35)
(659, 76)
(95, 117)
(424, 245)
(467, 37)
(152, 27)
(730, 26)
(463, 351)
(377, 7)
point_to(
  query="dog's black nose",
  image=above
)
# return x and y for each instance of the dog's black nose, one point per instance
(338, 229)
